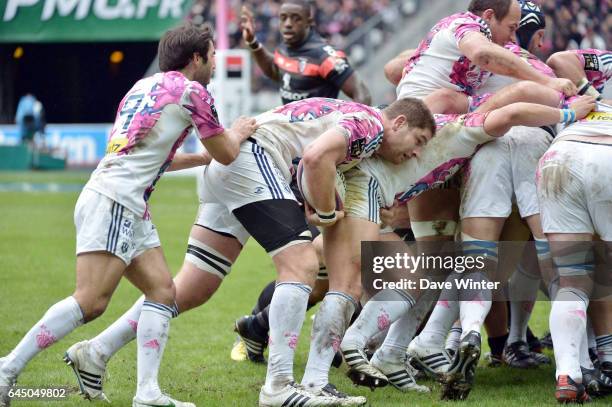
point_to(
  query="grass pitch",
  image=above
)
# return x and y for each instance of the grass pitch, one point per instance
(37, 243)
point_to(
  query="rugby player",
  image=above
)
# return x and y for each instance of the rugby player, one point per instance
(501, 172)
(459, 54)
(251, 196)
(473, 129)
(572, 182)
(307, 66)
(115, 235)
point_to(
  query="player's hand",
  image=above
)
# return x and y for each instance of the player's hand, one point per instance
(396, 215)
(583, 106)
(247, 24)
(563, 85)
(244, 127)
(313, 218)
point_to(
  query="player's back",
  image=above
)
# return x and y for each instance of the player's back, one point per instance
(285, 132)
(456, 140)
(151, 123)
(438, 61)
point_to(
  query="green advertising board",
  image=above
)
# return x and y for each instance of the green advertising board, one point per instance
(88, 20)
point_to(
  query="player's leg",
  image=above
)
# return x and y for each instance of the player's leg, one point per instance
(214, 243)
(253, 329)
(569, 229)
(99, 268)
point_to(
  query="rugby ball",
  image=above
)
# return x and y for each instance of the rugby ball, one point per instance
(303, 187)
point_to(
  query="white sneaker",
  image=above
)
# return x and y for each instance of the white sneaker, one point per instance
(293, 395)
(88, 371)
(6, 382)
(162, 401)
(399, 375)
(343, 399)
(433, 361)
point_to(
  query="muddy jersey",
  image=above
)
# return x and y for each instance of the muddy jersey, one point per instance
(285, 132)
(457, 139)
(438, 62)
(313, 69)
(152, 121)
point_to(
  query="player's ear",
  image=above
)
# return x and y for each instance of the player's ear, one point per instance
(399, 121)
(488, 14)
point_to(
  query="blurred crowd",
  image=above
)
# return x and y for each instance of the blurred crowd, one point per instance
(335, 19)
(577, 24)
(571, 24)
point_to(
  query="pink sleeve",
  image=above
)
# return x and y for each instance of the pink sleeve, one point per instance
(201, 106)
(465, 26)
(363, 134)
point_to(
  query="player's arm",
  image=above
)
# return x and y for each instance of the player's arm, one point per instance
(263, 57)
(182, 161)
(499, 121)
(319, 160)
(568, 64)
(395, 67)
(493, 58)
(356, 89)
(225, 146)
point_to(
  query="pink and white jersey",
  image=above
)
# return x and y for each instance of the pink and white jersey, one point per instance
(596, 123)
(152, 121)
(496, 82)
(438, 62)
(285, 132)
(457, 139)
(597, 65)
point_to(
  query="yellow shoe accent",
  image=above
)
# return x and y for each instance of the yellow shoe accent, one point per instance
(239, 351)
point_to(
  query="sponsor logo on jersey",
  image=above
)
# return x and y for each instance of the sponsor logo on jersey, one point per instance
(591, 63)
(285, 94)
(599, 116)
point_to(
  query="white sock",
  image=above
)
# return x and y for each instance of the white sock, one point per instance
(378, 314)
(523, 290)
(402, 331)
(454, 336)
(604, 348)
(119, 334)
(444, 314)
(287, 313)
(328, 329)
(59, 320)
(567, 328)
(474, 305)
(152, 335)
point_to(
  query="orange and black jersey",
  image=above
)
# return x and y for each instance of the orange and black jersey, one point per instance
(313, 69)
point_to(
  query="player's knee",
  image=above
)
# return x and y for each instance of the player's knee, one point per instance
(164, 292)
(295, 265)
(92, 308)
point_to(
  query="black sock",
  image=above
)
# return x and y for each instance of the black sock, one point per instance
(260, 324)
(497, 344)
(265, 298)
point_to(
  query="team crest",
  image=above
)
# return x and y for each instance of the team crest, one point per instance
(357, 147)
(286, 81)
(302, 64)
